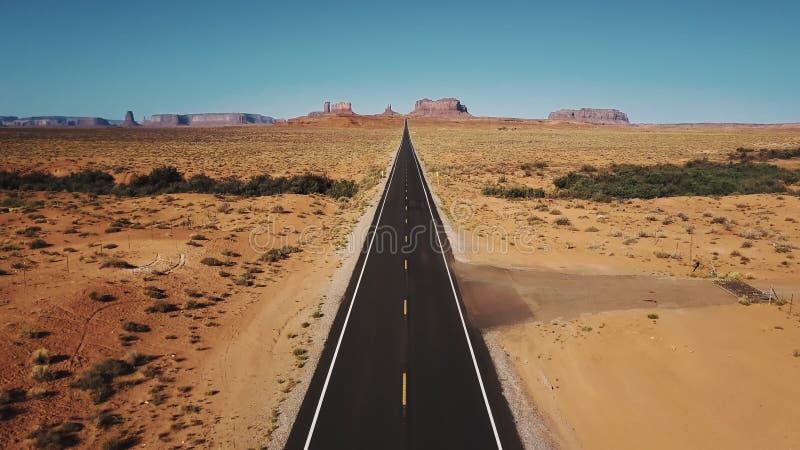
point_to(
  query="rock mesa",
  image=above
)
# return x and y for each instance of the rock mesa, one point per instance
(590, 115)
(208, 119)
(445, 107)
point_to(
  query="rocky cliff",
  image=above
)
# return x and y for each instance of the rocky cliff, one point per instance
(445, 107)
(342, 108)
(590, 115)
(208, 119)
(129, 120)
(58, 121)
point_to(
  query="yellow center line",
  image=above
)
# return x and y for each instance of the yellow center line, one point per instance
(405, 307)
(404, 389)
(405, 264)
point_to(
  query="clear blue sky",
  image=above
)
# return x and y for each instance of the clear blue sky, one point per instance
(659, 61)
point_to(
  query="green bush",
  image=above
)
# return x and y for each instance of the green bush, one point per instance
(168, 180)
(666, 180)
(513, 192)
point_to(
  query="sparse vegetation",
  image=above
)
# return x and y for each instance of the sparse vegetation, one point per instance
(41, 356)
(99, 378)
(160, 306)
(211, 261)
(103, 298)
(37, 244)
(135, 327)
(276, 254)
(42, 372)
(56, 438)
(116, 263)
(666, 180)
(513, 192)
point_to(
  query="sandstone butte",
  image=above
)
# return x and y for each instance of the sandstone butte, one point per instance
(129, 120)
(389, 111)
(445, 107)
(590, 115)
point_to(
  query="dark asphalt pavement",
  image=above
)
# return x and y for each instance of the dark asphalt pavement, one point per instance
(401, 368)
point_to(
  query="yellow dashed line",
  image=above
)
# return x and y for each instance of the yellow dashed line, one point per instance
(405, 264)
(405, 307)
(404, 389)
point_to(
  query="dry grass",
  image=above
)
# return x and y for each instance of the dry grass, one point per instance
(217, 152)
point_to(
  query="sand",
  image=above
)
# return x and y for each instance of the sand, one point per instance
(223, 370)
(564, 308)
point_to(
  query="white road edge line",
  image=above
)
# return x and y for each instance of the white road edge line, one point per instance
(458, 304)
(350, 308)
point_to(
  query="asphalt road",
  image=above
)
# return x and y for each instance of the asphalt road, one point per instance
(401, 368)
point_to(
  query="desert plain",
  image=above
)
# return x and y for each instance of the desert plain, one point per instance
(605, 330)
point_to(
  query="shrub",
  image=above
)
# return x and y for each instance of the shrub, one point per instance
(753, 234)
(135, 327)
(116, 263)
(513, 192)
(160, 306)
(107, 419)
(42, 372)
(104, 298)
(120, 443)
(54, 438)
(277, 254)
(41, 356)
(666, 180)
(37, 244)
(652, 316)
(210, 261)
(198, 237)
(30, 232)
(99, 378)
(28, 332)
(562, 220)
(154, 292)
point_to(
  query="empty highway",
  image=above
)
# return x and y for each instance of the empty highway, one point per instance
(401, 368)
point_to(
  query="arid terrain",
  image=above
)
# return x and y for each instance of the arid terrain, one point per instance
(212, 334)
(595, 308)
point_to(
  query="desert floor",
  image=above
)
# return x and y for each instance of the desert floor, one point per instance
(604, 326)
(217, 370)
(565, 306)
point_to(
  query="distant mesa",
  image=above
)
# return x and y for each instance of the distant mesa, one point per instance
(591, 115)
(445, 107)
(208, 119)
(340, 109)
(129, 120)
(54, 121)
